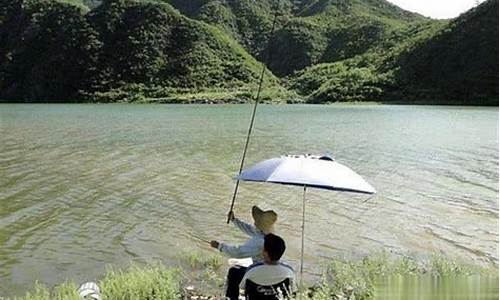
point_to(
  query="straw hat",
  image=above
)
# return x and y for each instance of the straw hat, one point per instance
(264, 220)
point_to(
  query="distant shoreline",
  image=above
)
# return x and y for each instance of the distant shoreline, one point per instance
(241, 102)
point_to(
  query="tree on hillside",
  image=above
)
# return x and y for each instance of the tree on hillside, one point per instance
(136, 41)
(55, 56)
(459, 64)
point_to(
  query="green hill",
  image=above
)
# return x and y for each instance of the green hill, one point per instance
(453, 62)
(459, 64)
(309, 32)
(209, 50)
(119, 50)
(329, 31)
(247, 21)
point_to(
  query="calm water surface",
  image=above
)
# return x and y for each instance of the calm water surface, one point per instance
(84, 186)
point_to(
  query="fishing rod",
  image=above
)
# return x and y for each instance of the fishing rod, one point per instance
(257, 98)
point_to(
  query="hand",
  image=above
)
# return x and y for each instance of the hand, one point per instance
(230, 215)
(214, 244)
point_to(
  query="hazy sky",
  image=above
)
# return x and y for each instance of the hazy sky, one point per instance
(439, 9)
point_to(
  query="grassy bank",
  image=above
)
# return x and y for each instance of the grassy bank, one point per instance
(341, 278)
(138, 93)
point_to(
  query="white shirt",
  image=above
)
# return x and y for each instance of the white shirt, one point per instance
(251, 248)
(269, 274)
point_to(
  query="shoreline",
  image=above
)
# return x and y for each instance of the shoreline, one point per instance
(201, 275)
(210, 102)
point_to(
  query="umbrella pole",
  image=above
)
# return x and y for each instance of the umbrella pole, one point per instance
(303, 229)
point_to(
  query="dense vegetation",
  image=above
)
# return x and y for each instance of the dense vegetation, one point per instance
(209, 51)
(432, 62)
(119, 50)
(308, 31)
(459, 63)
(341, 279)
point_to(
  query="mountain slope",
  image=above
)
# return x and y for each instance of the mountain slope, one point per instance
(47, 50)
(119, 49)
(428, 62)
(308, 32)
(247, 21)
(208, 50)
(329, 31)
(459, 63)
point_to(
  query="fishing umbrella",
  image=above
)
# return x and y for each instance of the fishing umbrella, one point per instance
(321, 172)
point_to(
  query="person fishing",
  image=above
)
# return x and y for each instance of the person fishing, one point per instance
(263, 224)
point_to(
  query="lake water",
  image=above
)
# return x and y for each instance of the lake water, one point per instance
(84, 186)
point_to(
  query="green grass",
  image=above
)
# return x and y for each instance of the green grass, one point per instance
(139, 93)
(65, 291)
(78, 3)
(152, 282)
(357, 277)
(206, 271)
(200, 260)
(147, 282)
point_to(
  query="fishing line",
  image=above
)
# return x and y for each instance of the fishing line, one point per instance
(201, 239)
(268, 59)
(366, 210)
(190, 235)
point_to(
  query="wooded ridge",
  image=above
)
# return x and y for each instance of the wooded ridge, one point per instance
(178, 51)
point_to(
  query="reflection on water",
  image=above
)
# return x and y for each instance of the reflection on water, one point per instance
(436, 288)
(83, 186)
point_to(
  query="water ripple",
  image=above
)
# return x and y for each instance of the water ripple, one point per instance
(82, 186)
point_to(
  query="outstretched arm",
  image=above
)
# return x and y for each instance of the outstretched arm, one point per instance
(251, 248)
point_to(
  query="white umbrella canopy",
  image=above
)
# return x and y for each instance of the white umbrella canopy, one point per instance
(307, 171)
